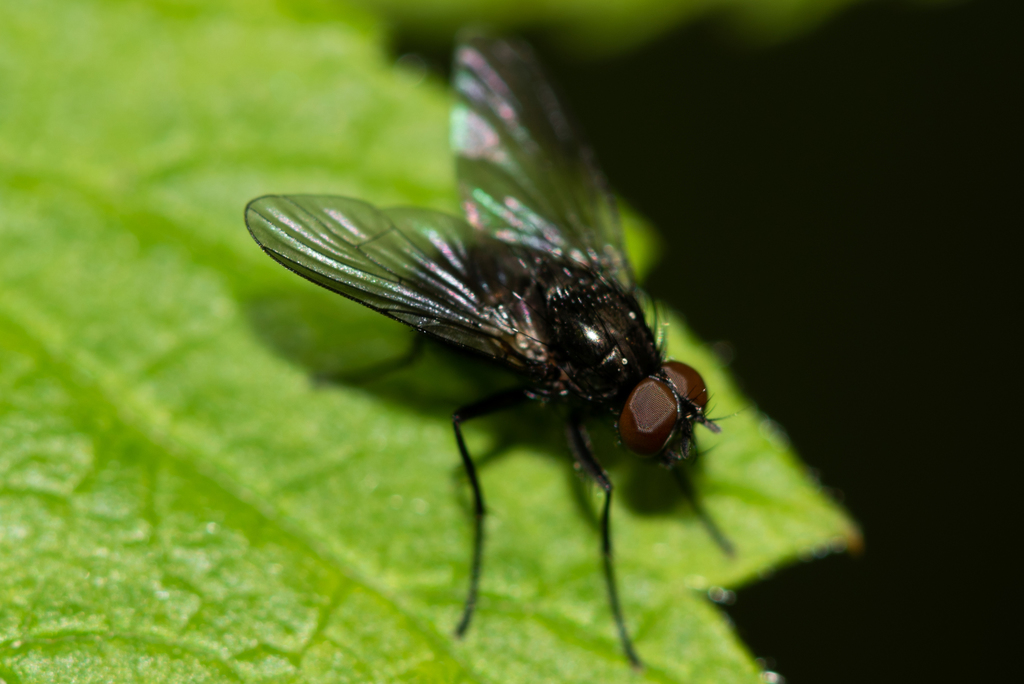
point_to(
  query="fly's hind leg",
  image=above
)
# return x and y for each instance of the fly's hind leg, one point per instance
(579, 443)
(492, 404)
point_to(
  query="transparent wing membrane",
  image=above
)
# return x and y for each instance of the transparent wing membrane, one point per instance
(525, 174)
(424, 268)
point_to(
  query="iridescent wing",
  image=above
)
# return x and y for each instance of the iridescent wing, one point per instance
(525, 174)
(424, 268)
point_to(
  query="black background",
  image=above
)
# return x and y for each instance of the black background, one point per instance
(840, 208)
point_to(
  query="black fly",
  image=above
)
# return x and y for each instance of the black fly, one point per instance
(535, 277)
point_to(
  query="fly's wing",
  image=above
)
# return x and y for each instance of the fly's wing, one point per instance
(525, 175)
(413, 265)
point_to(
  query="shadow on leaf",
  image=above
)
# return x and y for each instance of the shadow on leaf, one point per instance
(342, 344)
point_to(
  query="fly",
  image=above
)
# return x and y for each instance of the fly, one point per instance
(534, 278)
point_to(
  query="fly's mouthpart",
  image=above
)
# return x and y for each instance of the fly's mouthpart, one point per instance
(678, 450)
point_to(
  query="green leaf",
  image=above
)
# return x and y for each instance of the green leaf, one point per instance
(181, 501)
(602, 27)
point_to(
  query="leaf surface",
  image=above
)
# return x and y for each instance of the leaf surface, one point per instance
(182, 500)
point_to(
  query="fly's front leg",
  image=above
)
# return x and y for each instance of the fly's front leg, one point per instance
(715, 532)
(579, 443)
(491, 404)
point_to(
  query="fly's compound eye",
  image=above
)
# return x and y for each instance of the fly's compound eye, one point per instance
(688, 382)
(648, 417)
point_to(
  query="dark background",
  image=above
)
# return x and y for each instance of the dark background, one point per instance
(839, 208)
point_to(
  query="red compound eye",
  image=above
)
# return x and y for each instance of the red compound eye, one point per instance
(688, 382)
(648, 417)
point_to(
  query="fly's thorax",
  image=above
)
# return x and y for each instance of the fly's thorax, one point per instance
(600, 338)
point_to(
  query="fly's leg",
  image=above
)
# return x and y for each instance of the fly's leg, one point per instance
(579, 443)
(686, 487)
(491, 404)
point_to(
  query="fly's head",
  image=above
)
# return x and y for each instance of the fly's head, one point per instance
(659, 414)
